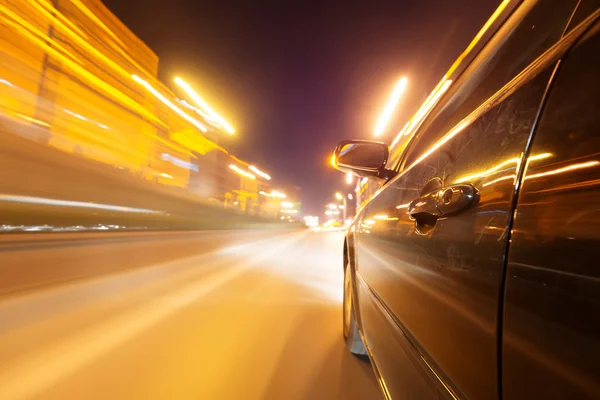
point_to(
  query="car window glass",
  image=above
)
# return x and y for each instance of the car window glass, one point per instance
(527, 34)
(584, 10)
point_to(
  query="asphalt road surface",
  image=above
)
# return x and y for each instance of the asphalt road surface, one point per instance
(204, 315)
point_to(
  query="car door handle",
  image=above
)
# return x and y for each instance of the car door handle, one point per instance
(443, 202)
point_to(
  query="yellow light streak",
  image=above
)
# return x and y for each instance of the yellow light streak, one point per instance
(241, 172)
(391, 105)
(188, 89)
(499, 167)
(287, 204)
(32, 33)
(562, 170)
(168, 103)
(259, 172)
(381, 216)
(502, 178)
(68, 63)
(97, 20)
(47, 9)
(277, 194)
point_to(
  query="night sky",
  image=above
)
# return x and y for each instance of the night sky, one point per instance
(294, 77)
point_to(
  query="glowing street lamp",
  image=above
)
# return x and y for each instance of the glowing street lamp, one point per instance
(389, 108)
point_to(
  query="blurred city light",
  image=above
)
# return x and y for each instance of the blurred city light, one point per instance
(349, 178)
(350, 196)
(290, 211)
(280, 195)
(241, 172)
(389, 108)
(259, 172)
(339, 196)
(332, 206)
(287, 204)
(188, 89)
(341, 207)
(168, 103)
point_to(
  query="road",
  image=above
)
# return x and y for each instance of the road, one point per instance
(182, 315)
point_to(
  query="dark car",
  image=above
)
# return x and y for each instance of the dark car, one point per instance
(474, 271)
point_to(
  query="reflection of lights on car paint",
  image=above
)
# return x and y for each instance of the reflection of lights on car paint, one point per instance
(568, 168)
(497, 168)
(241, 171)
(71, 203)
(390, 106)
(259, 172)
(502, 178)
(557, 171)
(401, 206)
(443, 85)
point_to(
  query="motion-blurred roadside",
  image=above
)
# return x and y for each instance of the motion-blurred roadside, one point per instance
(91, 139)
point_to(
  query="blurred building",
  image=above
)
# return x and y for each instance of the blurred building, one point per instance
(75, 78)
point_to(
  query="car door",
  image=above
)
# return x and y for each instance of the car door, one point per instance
(551, 335)
(437, 277)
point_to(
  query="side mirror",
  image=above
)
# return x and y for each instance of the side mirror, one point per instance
(364, 158)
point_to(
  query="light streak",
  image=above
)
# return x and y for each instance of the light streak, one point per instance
(391, 105)
(168, 103)
(259, 172)
(70, 203)
(188, 89)
(242, 172)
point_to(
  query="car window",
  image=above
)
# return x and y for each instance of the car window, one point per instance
(584, 10)
(532, 29)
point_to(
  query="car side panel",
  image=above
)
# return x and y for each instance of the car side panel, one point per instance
(401, 370)
(551, 338)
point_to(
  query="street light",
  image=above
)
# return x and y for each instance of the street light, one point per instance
(391, 105)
